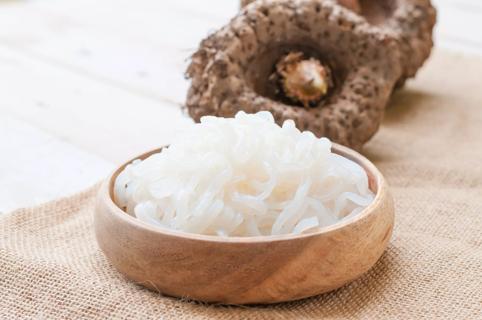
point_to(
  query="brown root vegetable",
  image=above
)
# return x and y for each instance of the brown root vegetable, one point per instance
(411, 22)
(233, 69)
(353, 5)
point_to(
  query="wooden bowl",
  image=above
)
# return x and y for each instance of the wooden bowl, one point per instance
(246, 270)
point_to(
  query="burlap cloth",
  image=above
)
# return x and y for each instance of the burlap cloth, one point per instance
(430, 150)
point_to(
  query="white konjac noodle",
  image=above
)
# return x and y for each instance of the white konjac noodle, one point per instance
(244, 176)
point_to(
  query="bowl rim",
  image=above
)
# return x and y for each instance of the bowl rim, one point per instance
(377, 180)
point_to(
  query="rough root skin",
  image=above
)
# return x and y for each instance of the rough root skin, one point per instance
(353, 5)
(411, 22)
(226, 70)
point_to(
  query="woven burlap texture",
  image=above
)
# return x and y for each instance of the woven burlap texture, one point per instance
(429, 149)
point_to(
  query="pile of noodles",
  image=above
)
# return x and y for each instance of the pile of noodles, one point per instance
(244, 176)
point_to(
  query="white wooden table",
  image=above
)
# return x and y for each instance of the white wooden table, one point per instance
(86, 84)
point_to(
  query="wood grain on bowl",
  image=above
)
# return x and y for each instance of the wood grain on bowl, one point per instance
(246, 270)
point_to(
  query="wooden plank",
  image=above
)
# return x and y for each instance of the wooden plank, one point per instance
(36, 167)
(143, 47)
(459, 25)
(105, 120)
(464, 5)
(88, 83)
